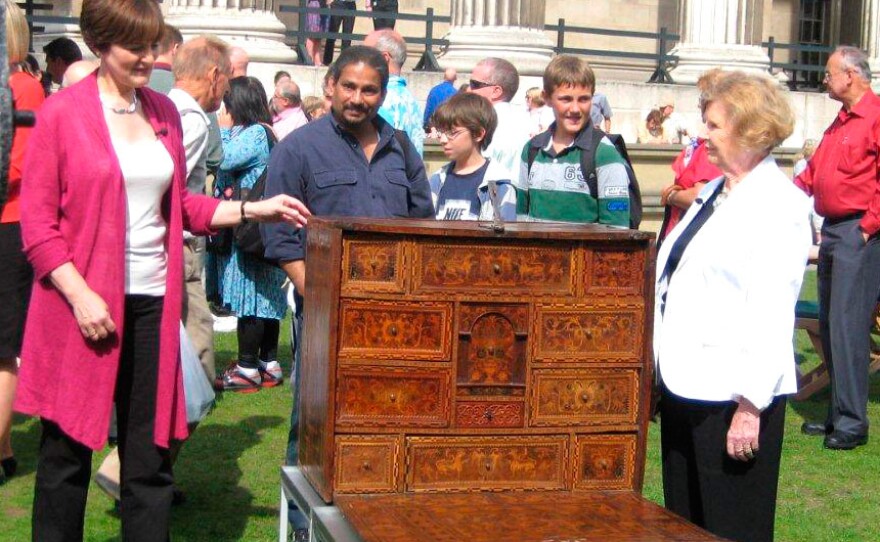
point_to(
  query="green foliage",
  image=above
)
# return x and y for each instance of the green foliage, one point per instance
(230, 470)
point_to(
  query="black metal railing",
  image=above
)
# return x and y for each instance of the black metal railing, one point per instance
(428, 60)
(661, 58)
(801, 76)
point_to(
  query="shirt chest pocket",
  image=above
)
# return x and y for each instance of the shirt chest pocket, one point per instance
(334, 191)
(856, 154)
(395, 193)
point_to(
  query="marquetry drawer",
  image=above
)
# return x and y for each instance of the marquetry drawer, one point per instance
(614, 271)
(391, 330)
(524, 269)
(396, 397)
(605, 461)
(586, 333)
(366, 464)
(485, 463)
(486, 414)
(372, 265)
(592, 397)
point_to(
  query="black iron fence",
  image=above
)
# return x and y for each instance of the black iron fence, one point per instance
(803, 64)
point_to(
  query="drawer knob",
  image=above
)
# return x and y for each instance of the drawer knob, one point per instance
(488, 466)
(392, 398)
(585, 398)
(393, 330)
(366, 466)
(488, 415)
(497, 268)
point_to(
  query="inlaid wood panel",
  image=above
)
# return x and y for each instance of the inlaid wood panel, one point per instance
(582, 333)
(492, 349)
(495, 269)
(595, 397)
(485, 463)
(373, 265)
(395, 330)
(605, 461)
(614, 271)
(612, 516)
(397, 397)
(366, 464)
(489, 414)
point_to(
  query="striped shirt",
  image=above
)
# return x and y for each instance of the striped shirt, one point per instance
(554, 188)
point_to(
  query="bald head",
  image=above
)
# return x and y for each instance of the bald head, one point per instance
(450, 75)
(239, 59)
(78, 71)
(392, 46)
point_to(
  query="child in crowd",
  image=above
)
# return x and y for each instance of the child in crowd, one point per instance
(552, 185)
(541, 115)
(461, 189)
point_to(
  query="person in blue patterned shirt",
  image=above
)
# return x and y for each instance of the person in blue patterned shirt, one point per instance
(400, 108)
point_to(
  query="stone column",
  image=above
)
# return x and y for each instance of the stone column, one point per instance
(509, 29)
(249, 24)
(719, 33)
(870, 41)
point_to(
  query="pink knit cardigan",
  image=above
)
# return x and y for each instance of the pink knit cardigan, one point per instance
(74, 210)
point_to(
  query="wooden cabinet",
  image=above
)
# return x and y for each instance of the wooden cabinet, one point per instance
(448, 358)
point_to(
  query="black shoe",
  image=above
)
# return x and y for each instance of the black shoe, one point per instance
(178, 497)
(815, 429)
(9, 465)
(839, 440)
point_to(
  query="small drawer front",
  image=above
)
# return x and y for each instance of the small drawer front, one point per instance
(374, 266)
(582, 334)
(615, 272)
(388, 330)
(485, 463)
(379, 397)
(511, 269)
(605, 462)
(489, 414)
(599, 397)
(366, 464)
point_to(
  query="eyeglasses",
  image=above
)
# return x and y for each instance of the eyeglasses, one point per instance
(450, 136)
(829, 76)
(474, 84)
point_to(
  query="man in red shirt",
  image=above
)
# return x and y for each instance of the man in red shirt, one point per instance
(843, 178)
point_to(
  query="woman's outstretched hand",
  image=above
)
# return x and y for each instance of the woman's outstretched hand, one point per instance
(280, 208)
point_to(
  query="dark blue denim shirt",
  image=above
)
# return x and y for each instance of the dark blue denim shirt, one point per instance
(325, 167)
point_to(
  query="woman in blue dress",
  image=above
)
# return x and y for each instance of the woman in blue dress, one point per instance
(247, 285)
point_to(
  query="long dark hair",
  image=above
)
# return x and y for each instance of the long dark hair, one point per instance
(246, 101)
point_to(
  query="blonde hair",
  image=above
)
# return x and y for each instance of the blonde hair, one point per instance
(195, 58)
(17, 33)
(807, 150)
(536, 96)
(760, 115)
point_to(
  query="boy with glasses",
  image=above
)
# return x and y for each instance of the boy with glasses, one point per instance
(461, 189)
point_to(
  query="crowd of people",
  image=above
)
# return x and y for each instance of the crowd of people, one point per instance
(185, 150)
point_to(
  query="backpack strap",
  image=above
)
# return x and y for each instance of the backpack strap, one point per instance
(588, 161)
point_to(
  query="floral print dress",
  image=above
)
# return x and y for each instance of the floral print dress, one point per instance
(246, 285)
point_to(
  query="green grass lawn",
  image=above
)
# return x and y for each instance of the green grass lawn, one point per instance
(229, 470)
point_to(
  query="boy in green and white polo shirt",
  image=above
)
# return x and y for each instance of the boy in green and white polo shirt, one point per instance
(554, 187)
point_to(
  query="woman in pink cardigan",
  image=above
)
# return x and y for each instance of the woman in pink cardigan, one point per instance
(104, 208)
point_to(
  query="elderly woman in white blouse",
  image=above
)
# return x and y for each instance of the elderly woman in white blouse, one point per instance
(728, 278)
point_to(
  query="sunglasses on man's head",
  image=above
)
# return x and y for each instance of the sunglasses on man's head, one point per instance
(474, 84)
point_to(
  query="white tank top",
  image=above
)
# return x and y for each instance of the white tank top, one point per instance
(147, 169)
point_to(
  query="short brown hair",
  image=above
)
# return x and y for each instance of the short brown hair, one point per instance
(196, 57)
(17, 34)
(568, 70)
(470, 111)
(128, 23)
(759, 113)
(171, 37)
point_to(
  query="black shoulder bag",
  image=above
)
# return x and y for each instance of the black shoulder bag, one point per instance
(247, 236)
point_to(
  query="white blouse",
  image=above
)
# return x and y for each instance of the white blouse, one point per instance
(147, 169)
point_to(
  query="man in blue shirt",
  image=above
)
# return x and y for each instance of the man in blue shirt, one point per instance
(347, 163)
(440, 94)
(400, 107)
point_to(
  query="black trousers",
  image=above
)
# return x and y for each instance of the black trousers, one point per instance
(257, 340)
(849, 281)
(388, 7)
(347, 22)
(701, 483)
(64, 466)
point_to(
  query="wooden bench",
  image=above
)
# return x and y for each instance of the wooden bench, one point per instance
(817, 379)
